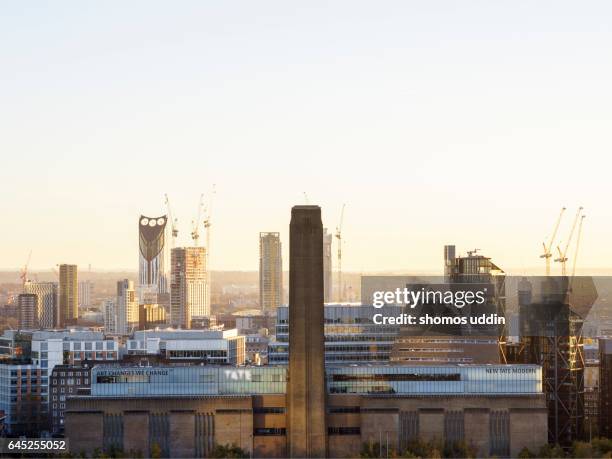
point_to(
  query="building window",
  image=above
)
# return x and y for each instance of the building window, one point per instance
(269, 410)
(269, 431)
(344, 431)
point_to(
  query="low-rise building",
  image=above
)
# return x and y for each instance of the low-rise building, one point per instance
(197, 346)
(66, 381)
(23, 398)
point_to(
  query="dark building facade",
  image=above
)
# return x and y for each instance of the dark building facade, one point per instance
(66, 381)
(605, 387)
(551, 315)
(306, 388)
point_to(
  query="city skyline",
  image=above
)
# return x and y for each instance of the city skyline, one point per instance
(435, 124)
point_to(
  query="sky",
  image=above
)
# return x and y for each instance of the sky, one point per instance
(435, 122)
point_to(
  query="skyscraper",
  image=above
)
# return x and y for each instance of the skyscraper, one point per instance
(188, 286)
(85, 291)
(152, 275)
(46, 293)
(110, 316)
(28, 315)
(270, 271)
(126, 306)
(306, 391)
(327, 266)
(68, 310)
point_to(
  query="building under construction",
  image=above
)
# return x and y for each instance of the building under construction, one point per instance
(551, 314)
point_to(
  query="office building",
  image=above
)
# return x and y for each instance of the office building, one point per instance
(27, 303)
(110, 315)
(153, 259)
(151, 316)
(85, 292)
(71, 347)
(190, 346)
(327, 266)
(47, 297)
(68, 310)
(306, 426)
(126, 307)
(270, 271)
(351, 336)
(23, 398)
(188, 297)
(605, 387)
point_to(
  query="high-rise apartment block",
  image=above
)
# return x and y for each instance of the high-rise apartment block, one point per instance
(68, 310)
(110, 316)
(85, 292)
(270, 271)
(47, 301)
(126, 306)
(27, 304)
(188, 296)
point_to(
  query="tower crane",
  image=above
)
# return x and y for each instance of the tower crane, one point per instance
(563, 254)
(339, 237)
(173, 221)
(195, 224)
(547, 253)
(577, 245)
(23, 275)
(207, 225)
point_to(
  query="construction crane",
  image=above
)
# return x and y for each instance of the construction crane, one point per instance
(173, 221)
(195, 224)
(23, 275)
(577, 245)
(472, 253)
(207, 225)
(339, 237)
(547, 253)
(306, 200)
(563, 254)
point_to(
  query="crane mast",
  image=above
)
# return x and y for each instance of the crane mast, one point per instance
(207, 225)
(577, 245)
(195, 224)
(563, 254)
(173, 221)
(339, 238)
(547, 253)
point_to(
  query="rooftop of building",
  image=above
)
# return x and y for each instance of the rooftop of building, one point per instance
(181, 334)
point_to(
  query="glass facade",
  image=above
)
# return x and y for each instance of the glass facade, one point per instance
(108, 381)
(432, 380)
(350, 335)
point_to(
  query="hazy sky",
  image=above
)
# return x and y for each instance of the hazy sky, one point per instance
(467, 122)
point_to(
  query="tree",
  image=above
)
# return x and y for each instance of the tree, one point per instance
(156, 452)
(229, 451)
